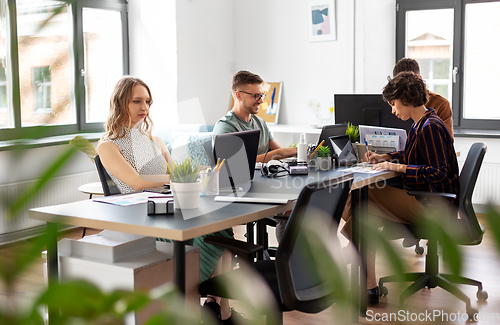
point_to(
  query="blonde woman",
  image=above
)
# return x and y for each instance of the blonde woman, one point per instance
(127, 150)
(136, 160)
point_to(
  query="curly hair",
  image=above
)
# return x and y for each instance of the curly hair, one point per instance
(243, 77)
(119, 115)
(407, 87)
(406, 64)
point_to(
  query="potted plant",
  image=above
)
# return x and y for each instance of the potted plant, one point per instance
(184, 184)
(323, 158)
(353, 132)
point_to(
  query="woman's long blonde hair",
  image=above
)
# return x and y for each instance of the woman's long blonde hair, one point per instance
(119, 115)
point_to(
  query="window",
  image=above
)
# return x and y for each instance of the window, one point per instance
(454, 42)
(41, 87)
(58, 63)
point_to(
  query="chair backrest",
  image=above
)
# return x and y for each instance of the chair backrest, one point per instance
(108, 186)
(300, 286)
(207, 145)
(468, 178)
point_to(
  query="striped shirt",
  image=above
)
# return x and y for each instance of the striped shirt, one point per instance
(430, 157)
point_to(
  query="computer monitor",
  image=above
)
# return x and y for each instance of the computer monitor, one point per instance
(331, 130)
(367, 109)
(240, 151)
(381, 132)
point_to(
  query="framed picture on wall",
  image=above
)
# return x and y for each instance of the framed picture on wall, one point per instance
(270, 108)
(321, 20)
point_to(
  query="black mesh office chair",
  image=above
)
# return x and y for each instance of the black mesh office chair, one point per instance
(470, 232)
(108, 186)
(294, 285)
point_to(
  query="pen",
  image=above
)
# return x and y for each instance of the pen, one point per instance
(218, 167)
(367, 156)
(312, 154)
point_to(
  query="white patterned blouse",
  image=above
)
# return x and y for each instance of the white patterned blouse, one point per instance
(142, 153)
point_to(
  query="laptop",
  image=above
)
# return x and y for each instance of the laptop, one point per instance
(239, 149)
(329, 131)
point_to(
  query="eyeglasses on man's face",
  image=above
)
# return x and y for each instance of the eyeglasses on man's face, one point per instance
(255, 96)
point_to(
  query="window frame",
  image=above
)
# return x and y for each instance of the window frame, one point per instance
(76, 47)
(402, 6)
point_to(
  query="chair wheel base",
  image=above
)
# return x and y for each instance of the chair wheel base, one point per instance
(472, 312)
(482, 295)
(383, 291)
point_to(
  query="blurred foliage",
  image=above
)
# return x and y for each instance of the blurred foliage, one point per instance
(493, 222)
(85, 146)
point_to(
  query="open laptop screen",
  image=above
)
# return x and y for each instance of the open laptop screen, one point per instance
(240, 151)
(329, 131)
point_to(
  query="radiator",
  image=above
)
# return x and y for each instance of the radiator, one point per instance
(487, 188)
(60, 190)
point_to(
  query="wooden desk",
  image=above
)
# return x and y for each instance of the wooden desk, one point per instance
(210, 217)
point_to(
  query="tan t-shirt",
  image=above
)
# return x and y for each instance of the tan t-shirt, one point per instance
(443, 109)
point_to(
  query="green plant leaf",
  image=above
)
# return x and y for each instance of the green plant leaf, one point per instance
(85, 146)
(185, 171)
(493, 220)
(353, 132)
(324, 151)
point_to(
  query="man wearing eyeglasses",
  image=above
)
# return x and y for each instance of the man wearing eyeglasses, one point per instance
(248, 94)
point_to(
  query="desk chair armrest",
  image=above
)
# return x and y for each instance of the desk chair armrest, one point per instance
(431, 195)
(244, 250)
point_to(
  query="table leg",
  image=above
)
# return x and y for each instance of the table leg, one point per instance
(250, 233)
(261, 238)
(355, 287)
(363, 209)
(180, 265)
(52, 267)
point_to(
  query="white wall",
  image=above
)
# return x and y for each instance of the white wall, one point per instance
(153, 54)
(218, 38)
(205, 56)
(272, 41)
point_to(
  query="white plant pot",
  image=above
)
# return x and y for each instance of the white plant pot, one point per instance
(323, 163)
(186, 195)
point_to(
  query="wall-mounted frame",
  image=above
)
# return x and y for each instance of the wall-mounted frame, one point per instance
(270, 108)
(321, 20)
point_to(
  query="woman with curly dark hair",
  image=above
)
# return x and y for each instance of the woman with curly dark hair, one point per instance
(427, 163)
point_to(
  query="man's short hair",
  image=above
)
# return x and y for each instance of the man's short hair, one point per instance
(406, 64)
(243, 77)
